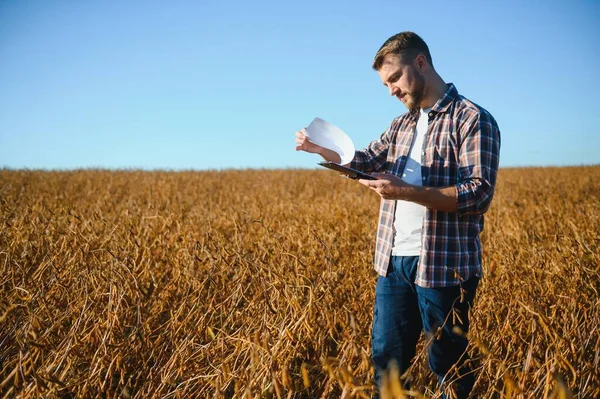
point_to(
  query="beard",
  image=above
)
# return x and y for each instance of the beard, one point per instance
(416, 95)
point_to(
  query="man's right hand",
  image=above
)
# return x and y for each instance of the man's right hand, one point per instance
(304, 144)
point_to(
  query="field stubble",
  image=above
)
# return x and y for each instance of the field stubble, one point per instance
(260, 284)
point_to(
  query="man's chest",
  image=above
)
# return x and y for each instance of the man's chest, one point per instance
(438, 150)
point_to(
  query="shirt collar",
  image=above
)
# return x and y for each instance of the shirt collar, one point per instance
(449, 96)
(443, 103)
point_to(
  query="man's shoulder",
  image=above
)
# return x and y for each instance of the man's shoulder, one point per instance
(401, 120)
(468, 109)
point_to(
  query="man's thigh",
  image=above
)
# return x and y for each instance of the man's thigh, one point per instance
(396, 320)
(442, 310)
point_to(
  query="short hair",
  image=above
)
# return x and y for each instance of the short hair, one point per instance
(405, 44)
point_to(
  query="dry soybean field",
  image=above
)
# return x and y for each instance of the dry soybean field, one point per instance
(259, 284)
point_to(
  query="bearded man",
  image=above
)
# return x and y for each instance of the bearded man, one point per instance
(436, 168)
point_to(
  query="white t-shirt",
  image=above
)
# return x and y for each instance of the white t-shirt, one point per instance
(408, 219)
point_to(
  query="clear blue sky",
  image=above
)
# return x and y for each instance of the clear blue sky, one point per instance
(221, 84)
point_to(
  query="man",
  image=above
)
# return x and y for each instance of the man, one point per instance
(437, 166)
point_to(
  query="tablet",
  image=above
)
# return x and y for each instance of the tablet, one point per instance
(348, 172)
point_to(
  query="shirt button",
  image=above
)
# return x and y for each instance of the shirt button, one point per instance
(431, 114)
(424, 178)
(422, 152)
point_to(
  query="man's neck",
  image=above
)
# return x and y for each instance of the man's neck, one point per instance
(437, 88)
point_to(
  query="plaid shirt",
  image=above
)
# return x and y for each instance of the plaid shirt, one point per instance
(461, 149)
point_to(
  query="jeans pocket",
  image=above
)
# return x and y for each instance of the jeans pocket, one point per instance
(406, 269)
(396, 271)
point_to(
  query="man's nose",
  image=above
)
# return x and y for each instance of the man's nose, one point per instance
(393, 90)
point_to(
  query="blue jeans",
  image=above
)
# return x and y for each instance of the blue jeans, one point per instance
(403, 309)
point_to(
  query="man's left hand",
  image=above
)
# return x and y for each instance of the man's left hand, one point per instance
(388, 186)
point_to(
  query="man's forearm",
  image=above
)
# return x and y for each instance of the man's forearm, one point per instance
(392, 187)
(330, 156)
(439, 198)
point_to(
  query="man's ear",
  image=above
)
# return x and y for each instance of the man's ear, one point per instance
(420, 61)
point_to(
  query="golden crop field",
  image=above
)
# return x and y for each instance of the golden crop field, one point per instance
(252, 284)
